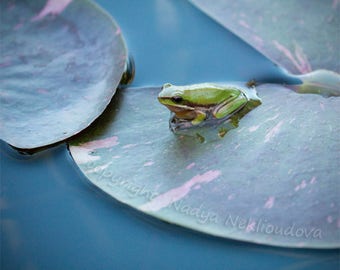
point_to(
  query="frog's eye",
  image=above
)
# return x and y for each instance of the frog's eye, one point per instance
(167, 85)
(177, 99)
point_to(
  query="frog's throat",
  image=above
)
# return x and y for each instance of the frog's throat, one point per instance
(183, 112)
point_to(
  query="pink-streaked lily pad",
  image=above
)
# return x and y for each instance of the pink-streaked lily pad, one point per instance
(61, 62)
(299, 35)
(273, 180)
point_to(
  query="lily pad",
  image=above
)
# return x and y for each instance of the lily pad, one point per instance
(273, 180)
(299, 35)
(61, 62)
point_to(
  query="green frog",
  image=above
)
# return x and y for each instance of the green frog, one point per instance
(197, 103)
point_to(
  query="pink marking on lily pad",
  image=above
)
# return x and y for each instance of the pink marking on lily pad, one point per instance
(302, 185)
(149, 163)
(99, 168)
(131, 145)
(5, 64)
(270, 202)
(259, 41)
(300, 60)
(190, 166)
(231, 197)
(118, 31)
(273, 132)
(272, 118)
(42, 91)
(251, 226)
(18, 26)
(253, 128)
(329, 219)
(244, 24)
(53, 7)
(103, 143)
(173, 195)
(313, 180)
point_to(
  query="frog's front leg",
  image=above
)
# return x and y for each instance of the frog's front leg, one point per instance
(199, 118)
(229, 107)
(177, 123)
(192, 116)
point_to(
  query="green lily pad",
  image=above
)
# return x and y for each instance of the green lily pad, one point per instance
(273, 180)
(299, 35)
(61, 62)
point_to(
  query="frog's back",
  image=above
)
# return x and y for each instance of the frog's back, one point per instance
(208, 94)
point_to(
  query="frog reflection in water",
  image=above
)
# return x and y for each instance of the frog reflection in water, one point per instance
(200, 102)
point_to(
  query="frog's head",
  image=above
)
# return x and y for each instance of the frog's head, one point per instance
(175, 99)
(171, 95)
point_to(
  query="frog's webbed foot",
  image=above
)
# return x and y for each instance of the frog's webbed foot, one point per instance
(176, 123)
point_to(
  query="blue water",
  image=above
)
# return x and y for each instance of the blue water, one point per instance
(53, 218)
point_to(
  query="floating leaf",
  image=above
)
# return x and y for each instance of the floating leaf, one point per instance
(323, 82)
(299, 35)
(61, 62)
(273, 180)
